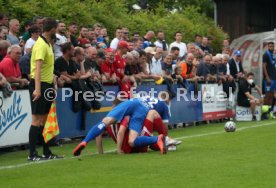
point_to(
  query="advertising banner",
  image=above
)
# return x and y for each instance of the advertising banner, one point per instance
(215, 104)
(15, 118)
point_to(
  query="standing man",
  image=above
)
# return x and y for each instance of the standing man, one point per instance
(71, 34)
(14, 27)
(3, 19)
(181, 45)
(269, 68)
(147, 39)
(61, 38)
(115, 41)
(161, 43)
(235, 65)
(42, 79)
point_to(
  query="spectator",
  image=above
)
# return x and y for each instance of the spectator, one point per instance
(90, 61)
(14, 27)
(120, 62)
(226, 50)
(167, 74)
(135, 35)
(225, 43)
(97, 29)
(4, 45)
(187, 67)
(235, 64)
(28, 24)
(156, 66)
(226, 59)
(105, 36)
(3, 32)
(269, 71)
(175, 53)
(9, 66)
(3, 19)
(108, 69)
(65, 66)
(71, 34)
(38, 22)
(203, 68)
(34, 32)
(25, 66)
(61, 39)
(130, 45)
(181, 45)
(177, 76)
(79, 58)
(138, 44)
(209, 43)
(115, 41)
(205, 47)
(245, 98)
(83, 38)
(198, 40)
(213, 75)
(125, 34)
(92, 37)
(161, 43)
(3, 81)
(135, 67)
(147, 39)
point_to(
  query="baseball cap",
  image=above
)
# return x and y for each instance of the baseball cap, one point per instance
(123, 44)
(150, 50)
(237, 53)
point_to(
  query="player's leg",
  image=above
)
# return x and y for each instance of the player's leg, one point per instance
(135, 126)
(95, 131)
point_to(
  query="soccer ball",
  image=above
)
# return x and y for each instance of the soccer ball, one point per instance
(230, 126)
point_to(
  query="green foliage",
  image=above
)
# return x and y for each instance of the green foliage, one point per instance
(114, 13)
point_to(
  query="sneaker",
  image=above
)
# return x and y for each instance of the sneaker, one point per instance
(35, 158)
(161, 142)
(171, 141)
(52, 156)
(79, 148)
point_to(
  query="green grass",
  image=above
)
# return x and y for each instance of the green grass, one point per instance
(207, 158)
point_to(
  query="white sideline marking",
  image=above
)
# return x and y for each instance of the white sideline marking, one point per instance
(110, 151)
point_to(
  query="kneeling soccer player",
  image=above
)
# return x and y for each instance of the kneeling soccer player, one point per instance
(137, 110)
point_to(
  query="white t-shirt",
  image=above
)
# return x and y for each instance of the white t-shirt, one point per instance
(160, 44)
(29, 44)
(57, 48)
(182, 47)
(156, 67)
(114, 43)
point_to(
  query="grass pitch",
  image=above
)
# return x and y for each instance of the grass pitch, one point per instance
(207, 158)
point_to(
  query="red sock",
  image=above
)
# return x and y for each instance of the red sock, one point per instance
(159, 126)
(148, 128)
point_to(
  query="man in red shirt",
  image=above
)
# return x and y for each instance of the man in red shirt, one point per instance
(108, 68)
(9, 66)
(120, 62)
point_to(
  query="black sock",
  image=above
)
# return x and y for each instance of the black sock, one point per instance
(33, 133)
(46, 149)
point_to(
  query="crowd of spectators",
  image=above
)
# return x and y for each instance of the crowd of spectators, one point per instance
(127, 60)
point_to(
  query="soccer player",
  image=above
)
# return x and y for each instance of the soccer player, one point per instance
(137, 109)
(119, 133)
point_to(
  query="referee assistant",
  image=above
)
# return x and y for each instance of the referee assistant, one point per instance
(42, 78)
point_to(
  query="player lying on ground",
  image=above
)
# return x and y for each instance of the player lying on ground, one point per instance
(119, 133)
(137, 110)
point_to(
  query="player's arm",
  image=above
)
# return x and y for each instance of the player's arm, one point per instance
(120, 138)
(99, 142)
(265, 72)
(37, 91)
(258, 90)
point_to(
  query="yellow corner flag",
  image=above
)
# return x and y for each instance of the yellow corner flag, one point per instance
(51, 128)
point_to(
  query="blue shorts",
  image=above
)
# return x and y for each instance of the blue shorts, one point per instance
(271, 87)
(133, 108)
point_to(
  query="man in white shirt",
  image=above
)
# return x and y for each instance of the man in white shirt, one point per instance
(115, 41)
(181, 45)
(161, 43)
(155, 66)
(34, 32)
(61, 38)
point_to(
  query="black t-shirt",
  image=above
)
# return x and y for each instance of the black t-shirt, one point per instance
(271, 69)
(222, 69)
(212, 69)
(206, 49)
(61, 65)
(128, 71)
(74, 41)
(244, 87)
(90, 65)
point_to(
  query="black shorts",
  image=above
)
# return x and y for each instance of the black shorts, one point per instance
(42, 105)
(244, 103)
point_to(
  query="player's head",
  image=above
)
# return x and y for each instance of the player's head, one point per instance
(164, 96)
(118, 100)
